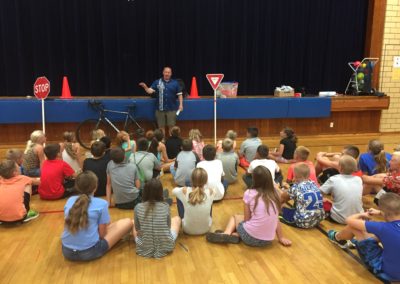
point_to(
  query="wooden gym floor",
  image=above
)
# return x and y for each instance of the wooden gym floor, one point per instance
(31, 253)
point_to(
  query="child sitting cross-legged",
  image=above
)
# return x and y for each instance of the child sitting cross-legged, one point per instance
(215, 172)
(123, 179)
(259, 224)
(308, 209)
(194, 204)
(15, 194)
(56, 177)
(155, 231)
(383, 262)
(301, 155)
(230, 161)
(185, 163)
(346, 191)
(249, 147)
(88, 233)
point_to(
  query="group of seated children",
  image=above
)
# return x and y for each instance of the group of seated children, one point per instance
(128, 175)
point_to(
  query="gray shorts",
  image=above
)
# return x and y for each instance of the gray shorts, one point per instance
(249, 240)
(165, 118)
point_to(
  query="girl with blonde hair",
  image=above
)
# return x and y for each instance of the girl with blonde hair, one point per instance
(231, 134)
(33, 154)
(195, 203)
(124, 141)
(197, 141)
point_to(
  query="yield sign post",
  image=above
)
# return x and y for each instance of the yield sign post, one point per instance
(215, 80)
(41, 89)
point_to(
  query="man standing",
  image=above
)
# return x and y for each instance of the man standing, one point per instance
(167, 92)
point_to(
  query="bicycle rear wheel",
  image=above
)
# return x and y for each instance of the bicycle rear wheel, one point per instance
(85, 130)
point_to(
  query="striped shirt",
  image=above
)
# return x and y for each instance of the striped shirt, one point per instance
(154, 230)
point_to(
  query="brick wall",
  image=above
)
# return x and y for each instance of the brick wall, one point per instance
(390, 120)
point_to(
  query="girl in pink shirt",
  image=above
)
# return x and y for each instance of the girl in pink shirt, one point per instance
(260, 222)
(197, 141)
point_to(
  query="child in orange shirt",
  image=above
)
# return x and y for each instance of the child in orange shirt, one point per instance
(15, 194)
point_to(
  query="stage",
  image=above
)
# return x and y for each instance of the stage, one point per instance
(308, 116)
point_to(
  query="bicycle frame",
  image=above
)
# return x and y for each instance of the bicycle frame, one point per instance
(127, 116)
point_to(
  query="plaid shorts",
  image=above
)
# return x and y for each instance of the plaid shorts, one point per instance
(249, 240)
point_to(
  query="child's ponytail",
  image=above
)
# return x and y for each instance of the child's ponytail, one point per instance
(78, 215)
(199, 180)
(78, 218)
(197, 196)
(376, 148)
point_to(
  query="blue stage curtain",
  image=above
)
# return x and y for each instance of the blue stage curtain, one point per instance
(106, 47)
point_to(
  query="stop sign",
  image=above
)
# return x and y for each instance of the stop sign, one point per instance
(41, 88)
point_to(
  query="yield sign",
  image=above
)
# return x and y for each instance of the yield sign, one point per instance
(214, 80)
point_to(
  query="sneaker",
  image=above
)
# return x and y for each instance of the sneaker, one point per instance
(332, 237)
(32, 214)
(351, 244)
(219, 238)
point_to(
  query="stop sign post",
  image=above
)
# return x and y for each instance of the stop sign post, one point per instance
(41, 89)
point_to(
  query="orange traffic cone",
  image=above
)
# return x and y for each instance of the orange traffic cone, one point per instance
(66, 93)
(194, 94)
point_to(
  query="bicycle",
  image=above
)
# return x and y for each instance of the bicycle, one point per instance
(85, 129)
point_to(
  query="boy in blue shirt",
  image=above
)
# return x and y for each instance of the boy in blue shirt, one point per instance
(308, 209)
(383, 262)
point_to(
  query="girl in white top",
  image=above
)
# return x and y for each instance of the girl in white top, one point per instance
(194, 204)
(70, 151)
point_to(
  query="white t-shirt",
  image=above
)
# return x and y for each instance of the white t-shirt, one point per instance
(197, 219)
(214, 171)
(68, 159)
(347, 196)
(271, 165)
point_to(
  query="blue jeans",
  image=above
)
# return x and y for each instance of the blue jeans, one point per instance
(96, 251)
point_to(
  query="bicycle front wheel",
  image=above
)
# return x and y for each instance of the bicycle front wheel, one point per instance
(86, 131)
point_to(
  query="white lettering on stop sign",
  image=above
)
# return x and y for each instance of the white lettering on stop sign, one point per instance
(41, 88)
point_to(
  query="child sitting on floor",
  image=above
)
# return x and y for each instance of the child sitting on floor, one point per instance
(56, 178)
(33, 155)
(287, 146)
(197, 141)
(230, 161)
(261, 159)
(308, 209)
(346, 191)
(376, 160)
(383, 262)
(157, 147)
(194, 204)
(300, 157)
(259, 224)
(70, 151)
(122, 178)
(231, 135)
(174, 143)
(107, 142)
(155, 231)
(17, 156)
(15, 194)
(126, 143)
(88, 233)
(185, 163)
(328, 163)
(249, 147)
(215, 172)
(145, 162)
(98, 165)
